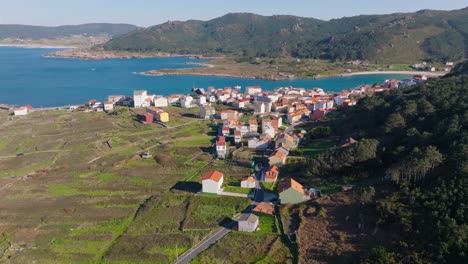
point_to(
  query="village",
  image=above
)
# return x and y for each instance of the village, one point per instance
(252, 138)
(257, 130)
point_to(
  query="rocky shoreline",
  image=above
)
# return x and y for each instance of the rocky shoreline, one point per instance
(87, 54)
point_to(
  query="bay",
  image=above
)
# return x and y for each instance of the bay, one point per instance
(27, 77)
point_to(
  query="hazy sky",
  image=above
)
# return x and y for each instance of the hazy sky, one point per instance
(151, 12)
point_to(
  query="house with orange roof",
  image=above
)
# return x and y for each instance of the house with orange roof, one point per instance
(22, 111)
(278, 159)
(291, 192)
(221, 147)
(212, 182)
(248, 182)
(229, 114)
(253, 125)
(271, 175)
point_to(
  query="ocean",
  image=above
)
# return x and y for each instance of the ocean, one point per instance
(27, 77)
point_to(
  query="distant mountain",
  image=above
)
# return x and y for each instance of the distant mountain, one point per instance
(40, 32)
(402, 37)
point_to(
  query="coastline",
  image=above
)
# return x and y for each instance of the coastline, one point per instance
(179, 72)
(101, 54)
(37, 46)
(435, 74)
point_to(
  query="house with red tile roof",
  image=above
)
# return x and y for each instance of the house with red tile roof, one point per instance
(278, 159)
(291, 192)
(221, 147)
(212, 182)
(271, 174)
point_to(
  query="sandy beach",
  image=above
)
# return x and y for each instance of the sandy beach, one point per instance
(395, 72)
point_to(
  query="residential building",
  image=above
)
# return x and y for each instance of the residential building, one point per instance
(108, 106)
(207, 111)
(248, 182)
(237, 136)
(317, 114)
(241, 103)
(225, 131)
(212, 182)
(115, 98)
(269, 127)
(259, 144)
(174, 99)
(186, 101)
(159, 115)
(139, 98)
(161, 101)
(253, 125)
(221, 147)
(287, 140)
(291, 192)
(22, 111)
(228, 114)
(271, 175)
(201, 100)
(278, 159)
(252, 90)
(259, 108)
(248, 223)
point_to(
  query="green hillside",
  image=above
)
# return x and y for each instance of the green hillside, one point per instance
(403, 37)
(418, 138)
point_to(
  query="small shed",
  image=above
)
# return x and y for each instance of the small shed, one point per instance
(248, 223)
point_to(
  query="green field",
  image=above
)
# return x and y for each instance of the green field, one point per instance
(74, 198)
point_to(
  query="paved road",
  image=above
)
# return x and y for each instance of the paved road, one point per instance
(205, 244)
(213, 238)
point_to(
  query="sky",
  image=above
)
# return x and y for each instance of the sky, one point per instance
(153, 12)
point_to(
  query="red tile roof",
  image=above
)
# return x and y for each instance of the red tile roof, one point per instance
(290, 183)
(213, 175)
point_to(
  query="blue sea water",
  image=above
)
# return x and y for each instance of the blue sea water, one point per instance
(26, 77)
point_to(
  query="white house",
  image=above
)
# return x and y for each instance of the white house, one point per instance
(161, 101)
(22, 111)
(212, 182)
(256, 143)
(139, 98)
(253, 125)
(221, 147)
(251, 90)
(186, 101)
(207, 111)
(108, 106)
(248, 182)
(237, 136)
(201, 100)
(259, 108)
(248, 223)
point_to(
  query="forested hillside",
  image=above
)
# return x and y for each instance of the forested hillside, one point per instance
(397, 38)
(414, 143)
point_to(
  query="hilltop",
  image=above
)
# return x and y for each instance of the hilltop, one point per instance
(396, 38)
